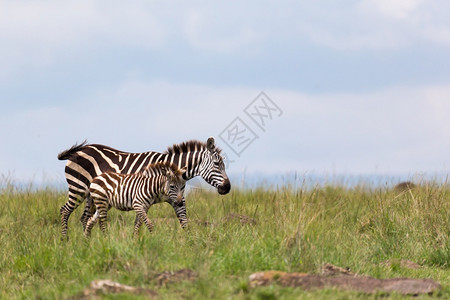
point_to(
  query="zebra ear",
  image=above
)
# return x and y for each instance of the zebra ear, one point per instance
(211, 144)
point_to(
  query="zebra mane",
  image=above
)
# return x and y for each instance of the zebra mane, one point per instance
(159, 166)
(189, 146)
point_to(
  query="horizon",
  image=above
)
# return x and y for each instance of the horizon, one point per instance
(245, 181)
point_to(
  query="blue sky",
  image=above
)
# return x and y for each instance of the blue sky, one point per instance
(363, 86)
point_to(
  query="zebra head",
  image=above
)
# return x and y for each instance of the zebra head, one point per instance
(174, 184)
(212, 168)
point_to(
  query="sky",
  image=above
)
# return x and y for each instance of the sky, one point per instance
(307, 87)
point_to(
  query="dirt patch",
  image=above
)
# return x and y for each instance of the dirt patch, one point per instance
(168, 277)
(98, 288)
(340, 278)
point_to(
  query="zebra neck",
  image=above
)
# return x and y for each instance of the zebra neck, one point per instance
(154, 185)
(190, 160)
(147, 172)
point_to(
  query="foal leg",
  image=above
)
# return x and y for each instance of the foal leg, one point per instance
(90, 223)
(141, 213)
(89, 210)
(180, 211)
(102, 214)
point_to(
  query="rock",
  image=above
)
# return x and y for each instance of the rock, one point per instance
(409, 286)
(343, 279)
(106, 286)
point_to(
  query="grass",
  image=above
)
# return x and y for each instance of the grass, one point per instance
(296, 230)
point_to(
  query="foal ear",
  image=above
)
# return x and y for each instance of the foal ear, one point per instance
(183, 173)
(211, 144)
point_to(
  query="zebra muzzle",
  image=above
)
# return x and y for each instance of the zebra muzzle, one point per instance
(224, 188)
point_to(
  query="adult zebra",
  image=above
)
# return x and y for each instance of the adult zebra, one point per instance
(86, 161)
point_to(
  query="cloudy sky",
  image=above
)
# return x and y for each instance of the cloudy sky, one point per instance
(350, 87)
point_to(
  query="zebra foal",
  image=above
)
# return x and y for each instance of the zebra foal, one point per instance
(161, 181)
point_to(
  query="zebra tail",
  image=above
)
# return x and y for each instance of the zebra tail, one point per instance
(67, 154)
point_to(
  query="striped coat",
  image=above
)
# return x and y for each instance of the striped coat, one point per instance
(86, 161)
(158, 182)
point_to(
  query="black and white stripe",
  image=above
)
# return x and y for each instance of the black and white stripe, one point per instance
(86, 161)
(158, 182)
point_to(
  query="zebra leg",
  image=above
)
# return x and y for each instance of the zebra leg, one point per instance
(102, 213)
(141, 213)
(75, 199)
(180, 211)
(89, 210)
(90, 223)
(137, 226)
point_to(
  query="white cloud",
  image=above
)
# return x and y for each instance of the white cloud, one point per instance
(439, 35)
(397, 9)
(223, 32)
(377, 25)
(58, 24)
(38, 33)
(399, 130)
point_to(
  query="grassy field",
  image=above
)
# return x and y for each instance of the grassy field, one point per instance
(287, 229)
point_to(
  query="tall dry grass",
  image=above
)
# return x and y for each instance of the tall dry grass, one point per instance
(228, 238)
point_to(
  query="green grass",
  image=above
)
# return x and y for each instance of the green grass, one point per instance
(295, 231)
